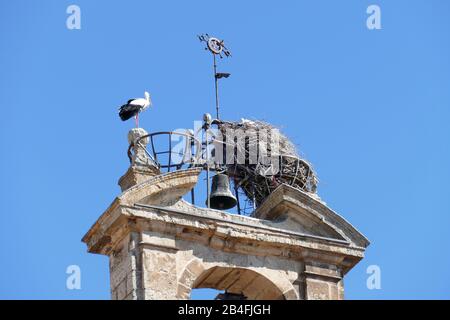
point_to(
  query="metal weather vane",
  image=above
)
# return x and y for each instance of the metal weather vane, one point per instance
(217, 48)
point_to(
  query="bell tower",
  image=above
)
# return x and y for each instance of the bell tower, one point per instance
(160, 246)
(282, 242)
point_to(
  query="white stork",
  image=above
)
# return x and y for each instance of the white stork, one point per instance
(133, 107)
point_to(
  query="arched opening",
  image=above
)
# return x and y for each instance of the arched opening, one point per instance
(235, 283)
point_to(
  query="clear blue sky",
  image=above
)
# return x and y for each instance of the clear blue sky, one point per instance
(369, 108)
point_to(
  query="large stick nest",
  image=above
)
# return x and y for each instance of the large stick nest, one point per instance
(258, 179)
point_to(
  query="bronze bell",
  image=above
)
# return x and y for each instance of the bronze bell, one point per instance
(221, 197)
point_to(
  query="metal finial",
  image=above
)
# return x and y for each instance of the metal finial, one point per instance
(216, 47)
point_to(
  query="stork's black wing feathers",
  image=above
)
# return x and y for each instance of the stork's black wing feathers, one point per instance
(129, 101)
(128, 111)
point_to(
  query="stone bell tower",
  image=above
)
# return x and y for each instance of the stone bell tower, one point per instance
(161, 247)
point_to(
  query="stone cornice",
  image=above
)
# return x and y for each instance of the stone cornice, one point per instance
(236, 235)
(286, 196)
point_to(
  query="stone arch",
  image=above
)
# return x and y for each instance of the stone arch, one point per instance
(252, 282)
(163, 190)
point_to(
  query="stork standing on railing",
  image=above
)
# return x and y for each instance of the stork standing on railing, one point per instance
(133, 107)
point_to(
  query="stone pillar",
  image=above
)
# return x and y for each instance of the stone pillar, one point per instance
(321, 282)
(126, 269)
(159, 266)
(143, 266)
(142, 166)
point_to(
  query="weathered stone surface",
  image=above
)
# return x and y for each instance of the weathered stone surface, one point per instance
(183, 292)
(341, 290)
(158, 239)
(140, 157)
(136, 175)
(334, 292)
(317, 290)
(159, 273)
(122, 290)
